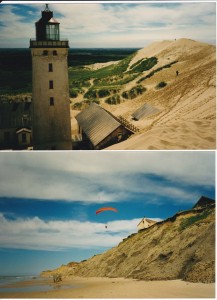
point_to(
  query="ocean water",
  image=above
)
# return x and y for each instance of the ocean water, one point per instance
(13, 279)
(6, 281)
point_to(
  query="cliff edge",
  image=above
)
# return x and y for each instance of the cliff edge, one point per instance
(180, 247)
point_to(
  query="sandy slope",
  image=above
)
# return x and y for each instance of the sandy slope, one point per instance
(180, 247)
(188, 103)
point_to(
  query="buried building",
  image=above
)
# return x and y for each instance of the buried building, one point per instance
(100, 129)
(15, 124)
(145, 223)
(145, 110)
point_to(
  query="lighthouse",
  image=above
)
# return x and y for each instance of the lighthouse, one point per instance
(50, 88)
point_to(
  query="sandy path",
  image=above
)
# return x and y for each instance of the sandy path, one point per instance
(121, 288)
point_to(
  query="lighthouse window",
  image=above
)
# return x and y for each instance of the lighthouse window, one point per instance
(50, 67)
(52, 32)
(51, 84)
(51, 101)
(54, 52)
(45, 52)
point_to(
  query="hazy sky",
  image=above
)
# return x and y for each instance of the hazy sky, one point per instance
(111, 24)
(48, 200)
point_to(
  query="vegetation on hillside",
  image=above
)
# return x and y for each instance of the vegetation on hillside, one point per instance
(161, 85)
(83, 104)
(156, 70)
(115, 99)
(186, 222)
(16, 67)
(134, 92)
(107, 84)
(144, 64)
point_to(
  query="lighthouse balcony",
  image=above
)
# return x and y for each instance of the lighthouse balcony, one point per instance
(49, 44)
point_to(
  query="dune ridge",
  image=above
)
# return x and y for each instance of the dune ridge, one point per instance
(187, 104)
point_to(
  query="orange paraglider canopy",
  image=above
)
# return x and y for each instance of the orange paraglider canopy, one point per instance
(106, 208)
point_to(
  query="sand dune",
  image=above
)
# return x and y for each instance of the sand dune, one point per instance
(188, 103)
(187, 135)
(97, 66)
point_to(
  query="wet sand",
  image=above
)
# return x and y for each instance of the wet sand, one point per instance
(76, 287)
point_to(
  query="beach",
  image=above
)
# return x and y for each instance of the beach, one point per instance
(98, 287)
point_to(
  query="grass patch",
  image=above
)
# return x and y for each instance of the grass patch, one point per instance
(115, 69)
(136, 63)
(84, 74)
(192, 220)
(91, 94)
(113, 100)
(103, 93)
(74, 92)
(95, 92)
(161, 85)
(145, 64)
(81, 105)
(157, 70)
(115, 80)
(79, 83)
(134, 92)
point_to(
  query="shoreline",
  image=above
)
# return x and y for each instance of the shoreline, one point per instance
(103, 287)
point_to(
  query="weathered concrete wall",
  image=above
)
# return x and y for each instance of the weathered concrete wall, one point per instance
(51, 123)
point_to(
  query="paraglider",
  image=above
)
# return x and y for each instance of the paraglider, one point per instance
(104, 209)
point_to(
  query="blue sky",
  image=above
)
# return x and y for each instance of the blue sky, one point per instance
(48, 200)
(89, 25)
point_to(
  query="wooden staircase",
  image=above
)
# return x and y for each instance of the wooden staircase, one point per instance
(127, 124)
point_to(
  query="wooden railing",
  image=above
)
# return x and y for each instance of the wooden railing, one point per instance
(127, 124)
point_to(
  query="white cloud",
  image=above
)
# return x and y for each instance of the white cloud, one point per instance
(97, 24)
(37, 234)
(13, 27)
(104, 176)
(156, 22)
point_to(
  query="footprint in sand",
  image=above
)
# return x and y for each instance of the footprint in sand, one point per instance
(151, 148)
(198, 123)
(210, 139)
(164, 142)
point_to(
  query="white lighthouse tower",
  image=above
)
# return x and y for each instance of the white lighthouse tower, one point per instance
(50, 92)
